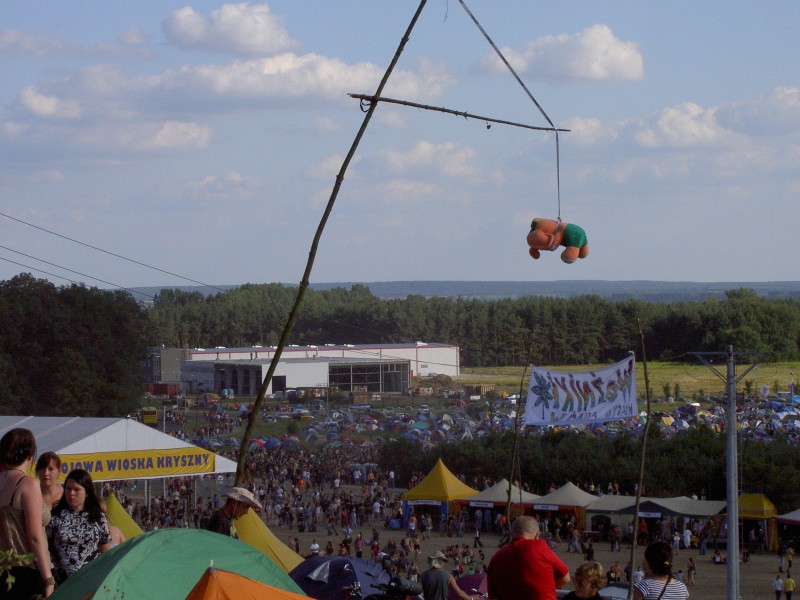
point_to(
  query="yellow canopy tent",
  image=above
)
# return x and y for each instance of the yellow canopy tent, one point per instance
(439, 488)
(120, 518)
(253, 531)
(440, 484)
(759, 507)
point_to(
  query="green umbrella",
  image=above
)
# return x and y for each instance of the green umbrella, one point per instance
(167, 564)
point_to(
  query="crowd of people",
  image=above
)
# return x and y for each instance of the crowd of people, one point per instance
(341, 495)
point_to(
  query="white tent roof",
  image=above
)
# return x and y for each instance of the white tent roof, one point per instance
(790, 517)
(568, 494)
(680, 505)
(104, 439)
(498, 494)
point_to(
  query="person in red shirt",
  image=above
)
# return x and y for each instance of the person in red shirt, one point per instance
(526, 567)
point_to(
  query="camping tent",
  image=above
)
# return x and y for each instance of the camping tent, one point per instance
(438, 488)
(323, 577)
(216, 584)
(253, 531)
(120, 518)
(113, 449)
(167, 563)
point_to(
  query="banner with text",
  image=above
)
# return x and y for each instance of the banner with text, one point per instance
(564, 398)
(140, 464)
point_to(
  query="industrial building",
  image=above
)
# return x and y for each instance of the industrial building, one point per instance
(376, 368)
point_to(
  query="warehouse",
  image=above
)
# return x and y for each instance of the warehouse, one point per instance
(238, 377)
(425, 358)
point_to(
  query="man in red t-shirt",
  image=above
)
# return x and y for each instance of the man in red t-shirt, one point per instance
(526, 567)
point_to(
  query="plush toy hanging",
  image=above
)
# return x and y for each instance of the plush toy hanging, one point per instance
(547, 234)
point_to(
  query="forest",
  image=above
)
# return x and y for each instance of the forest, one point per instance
(69, 351)
(541, 330)
(685, 464)
(78, 350)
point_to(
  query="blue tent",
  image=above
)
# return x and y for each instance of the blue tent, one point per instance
(322, 577)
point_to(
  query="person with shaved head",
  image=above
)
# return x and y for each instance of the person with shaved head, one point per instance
(526, 567)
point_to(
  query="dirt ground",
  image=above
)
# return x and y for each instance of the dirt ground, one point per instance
(755, 576)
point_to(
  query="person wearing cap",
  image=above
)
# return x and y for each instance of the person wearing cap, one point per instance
(436, 581)
(238, 501)
(526, 567)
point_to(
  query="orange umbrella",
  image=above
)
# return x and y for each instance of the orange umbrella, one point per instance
(216, 584)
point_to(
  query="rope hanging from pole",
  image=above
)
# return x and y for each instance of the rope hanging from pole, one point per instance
(527, 91)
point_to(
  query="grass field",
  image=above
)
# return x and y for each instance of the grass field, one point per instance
(695, 381)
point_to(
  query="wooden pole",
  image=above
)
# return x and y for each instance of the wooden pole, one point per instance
(301, 290)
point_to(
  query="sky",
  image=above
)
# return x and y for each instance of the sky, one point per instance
(166, 144)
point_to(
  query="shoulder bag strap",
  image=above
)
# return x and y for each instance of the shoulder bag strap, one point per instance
(664, 589)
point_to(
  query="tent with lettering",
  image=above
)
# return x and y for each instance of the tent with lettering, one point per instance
(435, 492)
(111, 449)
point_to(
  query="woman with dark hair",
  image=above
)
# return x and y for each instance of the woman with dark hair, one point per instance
(78, 531)
(21, 525)
(659, 582)
(48, 470)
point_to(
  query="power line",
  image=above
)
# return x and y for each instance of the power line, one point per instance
(110, 253)
(76, 272)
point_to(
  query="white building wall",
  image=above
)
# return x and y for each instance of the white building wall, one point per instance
(301, 373)
(426, 359)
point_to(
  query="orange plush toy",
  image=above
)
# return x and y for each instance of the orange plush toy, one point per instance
(547, 234)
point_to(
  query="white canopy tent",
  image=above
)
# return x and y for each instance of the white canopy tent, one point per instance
(111, 449)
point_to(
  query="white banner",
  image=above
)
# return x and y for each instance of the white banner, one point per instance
(562, 398)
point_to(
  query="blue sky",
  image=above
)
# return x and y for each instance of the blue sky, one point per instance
(204, 139)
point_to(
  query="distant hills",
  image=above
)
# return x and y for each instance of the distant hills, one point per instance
(648, 291)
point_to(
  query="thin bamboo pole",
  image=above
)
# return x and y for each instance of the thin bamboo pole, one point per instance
(369, 100)
(301, 290)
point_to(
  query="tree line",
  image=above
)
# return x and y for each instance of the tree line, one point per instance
(69, 350)
(504, 332)
(689, 463)
(78, 350)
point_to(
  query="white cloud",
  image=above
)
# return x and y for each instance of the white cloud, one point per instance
(685, 125)
(13, 129)
(286, 76)
(224, 188)
(325, 125)
(589, 131)
(401, 191)
(176, 135)
(328, 168)
(133, 37)
(594, 54)
(234, 28)
(448, 159)
(774, 113)
(17, 42)
(49, 107)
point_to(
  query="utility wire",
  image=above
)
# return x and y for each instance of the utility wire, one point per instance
(111, 253)
(77, 272)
